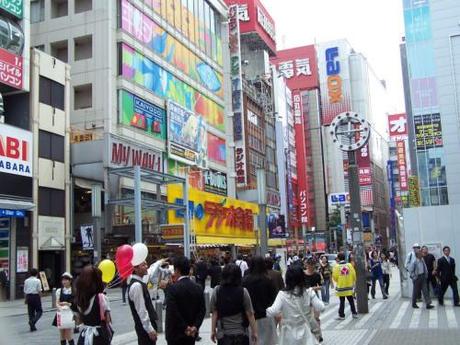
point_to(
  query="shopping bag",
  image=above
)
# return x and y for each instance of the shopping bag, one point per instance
(64, 318)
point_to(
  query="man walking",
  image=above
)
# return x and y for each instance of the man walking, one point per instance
(446, 274)
(141, 306)
(185, 306)
(242, 264)
(419, 274)
(430, 262)
(344, 276)
(410, 258)
(32, 293)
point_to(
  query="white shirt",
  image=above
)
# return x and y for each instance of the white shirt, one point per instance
(32, 286)
(242, 265)
(448, 259)
(136, 295)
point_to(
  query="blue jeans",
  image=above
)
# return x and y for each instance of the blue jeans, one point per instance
(325, 290)
(382, 288)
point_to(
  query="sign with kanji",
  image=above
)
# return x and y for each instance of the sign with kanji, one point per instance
(11, 69)
(402, 166)
(397, 126)
(15, 7)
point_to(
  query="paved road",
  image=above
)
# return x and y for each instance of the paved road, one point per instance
(389, 322)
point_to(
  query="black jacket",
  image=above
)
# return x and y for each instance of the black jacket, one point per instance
(215, 272)
(184, 307)
(446, 270)
(262, 291)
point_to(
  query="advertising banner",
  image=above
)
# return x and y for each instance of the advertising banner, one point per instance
(172, 232)
(15, 151)
(11, 69)
(402, 165)
(428, 131)
(364, 165)
(300, 155)
(87, 237)
(5, 245)
(135, 112)
(22, 258)
(277, 226)
(339, 199)
(217, 151)
(414, 192)
(215, 182)
(397, 126)
(126, 154)
(334, 79)
(237, 98)
(187, 137)
(15, 7)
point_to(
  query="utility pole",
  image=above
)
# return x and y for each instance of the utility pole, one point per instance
(137, 204)
(186, 216)
(96, 212)
(350, 132)
(262, 200)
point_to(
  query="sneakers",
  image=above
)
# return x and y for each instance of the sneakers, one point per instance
(355, 316)
(340, 318)
(429, 306)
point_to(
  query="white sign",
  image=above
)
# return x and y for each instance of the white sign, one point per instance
(51, 233)
(22, 260)
(266, 23)
(87, 237)
(15, 151)
(339, 199)
(125, 154)
(297, 67)
(243, 13)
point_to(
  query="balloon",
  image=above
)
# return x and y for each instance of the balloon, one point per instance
(125, 271)
(108, 270)
(140, 252)
(124, 255)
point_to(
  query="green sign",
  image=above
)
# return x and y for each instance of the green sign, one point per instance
(15, 7)
(135, 112)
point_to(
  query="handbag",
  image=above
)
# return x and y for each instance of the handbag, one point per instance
(105, 324)
(64, 318)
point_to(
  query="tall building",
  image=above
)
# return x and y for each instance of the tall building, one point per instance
(147, 89)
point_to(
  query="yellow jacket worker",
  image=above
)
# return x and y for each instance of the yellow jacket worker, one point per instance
(344, 276)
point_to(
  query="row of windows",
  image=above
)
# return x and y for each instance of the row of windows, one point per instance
(59, 8)
(51, 93)
(51, 146)
(51, 202)
(83, 49)
(196, 20)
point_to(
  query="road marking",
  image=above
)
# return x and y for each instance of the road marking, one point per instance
(398, 319)
(344, 323)
(371, 313)
(415, 320)
(369, 337)
(451, 320)
(433, 318)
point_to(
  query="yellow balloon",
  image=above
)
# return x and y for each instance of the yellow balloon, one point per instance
(108, 270)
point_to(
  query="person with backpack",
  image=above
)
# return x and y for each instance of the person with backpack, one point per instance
(232, 311)
(242, 264)
(65, 300)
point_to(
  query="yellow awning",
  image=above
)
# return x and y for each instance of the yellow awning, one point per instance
(276, 242)
(238, 241)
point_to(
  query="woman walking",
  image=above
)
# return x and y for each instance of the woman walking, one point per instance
(263, 293)
(386, 270)
(93, 308)
(294, 308)
(376, 274)
(325, 271)
(232, 311)
(65, 298)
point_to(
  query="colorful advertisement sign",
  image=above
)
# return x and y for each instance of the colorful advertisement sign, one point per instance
(5, 245)
(414, 192)
(187, 138)
(397, 126)
(22, 260)
(301, 157)
(418, 24)
(139, 69)
(15, 151)
(428, 131)
(214, 215)
(172, 232)
(254, 18)
(15, 7)
(11, 69)
(277, 226)
(171, 50)
(217, 151)
(298, 66)
(334, 79)
(237, 97)
(402, 165)
(135, 112)
(339, 199)
(126, 154)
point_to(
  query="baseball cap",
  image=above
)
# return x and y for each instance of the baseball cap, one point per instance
(416, 245)
(66, 275)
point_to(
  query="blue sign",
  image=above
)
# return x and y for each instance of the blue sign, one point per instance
(12, 213)
(194, 211)
(332, 66)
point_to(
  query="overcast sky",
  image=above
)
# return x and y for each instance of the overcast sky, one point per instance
(373, 28)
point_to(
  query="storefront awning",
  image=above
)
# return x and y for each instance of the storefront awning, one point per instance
(14, 204)
(225, 240)
(276, 242)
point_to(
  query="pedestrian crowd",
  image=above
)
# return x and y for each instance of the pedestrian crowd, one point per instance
(250, 301)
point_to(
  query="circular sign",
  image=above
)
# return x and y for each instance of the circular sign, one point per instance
(350, 131)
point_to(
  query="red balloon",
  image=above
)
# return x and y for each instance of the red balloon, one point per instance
(124, 255)
(125, 271)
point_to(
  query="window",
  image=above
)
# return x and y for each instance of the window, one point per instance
(83, 47)
(60, 50)
(83, 96)
(51, 202)
(51, 93)
(83, 5)
(51, 146)
(40, 47)
(59, 8)
(37, 11)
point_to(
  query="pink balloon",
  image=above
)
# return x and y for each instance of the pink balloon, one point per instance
(124, 255)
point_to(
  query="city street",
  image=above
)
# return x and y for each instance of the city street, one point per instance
(391, 321)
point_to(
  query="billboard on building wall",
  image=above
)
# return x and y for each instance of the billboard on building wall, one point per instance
(428, 131)
(217, 151)
(298, 66)
(402, 165)
(15, 151)
(334, 79)
(187, 136)
(364, 166)
(11, 69)
(15, 7)
(237, 97)
(397, 126)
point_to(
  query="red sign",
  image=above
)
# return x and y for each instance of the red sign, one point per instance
(364, 166)
(298, 66)
(301, 157)
(397, 126)
(402, 166)
(10, 69)
(234, 217)
(254, 18)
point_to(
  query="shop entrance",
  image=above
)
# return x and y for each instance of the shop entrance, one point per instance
(52, 263)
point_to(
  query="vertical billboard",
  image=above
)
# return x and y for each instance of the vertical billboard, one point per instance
(397, 126)
(334, 77)
(301, 157)
(402, 165)
(237, 98)
(428, 131)
(187, 137)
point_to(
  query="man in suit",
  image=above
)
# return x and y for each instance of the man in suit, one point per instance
(446, 274)
(185, 306)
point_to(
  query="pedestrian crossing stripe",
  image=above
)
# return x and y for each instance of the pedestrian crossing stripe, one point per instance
(415, 319)
(451, 321)
(367, 317)
(433, 318)
(398, 319)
